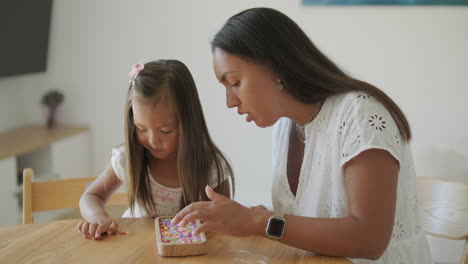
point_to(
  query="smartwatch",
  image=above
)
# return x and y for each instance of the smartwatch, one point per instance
(276, 225)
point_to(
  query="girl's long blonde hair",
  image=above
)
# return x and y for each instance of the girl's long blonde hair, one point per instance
(198, 157)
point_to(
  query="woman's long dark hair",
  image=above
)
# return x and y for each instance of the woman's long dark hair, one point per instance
(269, 37)
(197, 158)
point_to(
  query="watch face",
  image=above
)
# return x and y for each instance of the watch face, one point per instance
(275, 227)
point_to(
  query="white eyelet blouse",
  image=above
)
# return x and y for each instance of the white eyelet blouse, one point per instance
(347, 125)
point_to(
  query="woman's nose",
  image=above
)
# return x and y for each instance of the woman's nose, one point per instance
(231, 99)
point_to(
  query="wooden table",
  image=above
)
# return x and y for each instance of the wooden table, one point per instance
(60, 242)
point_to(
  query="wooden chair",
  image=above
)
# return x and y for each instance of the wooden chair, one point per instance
(445, 209)
(59, 194)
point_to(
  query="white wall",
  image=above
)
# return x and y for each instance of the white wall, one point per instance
(13, 97)
(418, 55)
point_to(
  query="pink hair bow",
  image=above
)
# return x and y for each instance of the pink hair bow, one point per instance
(136, 69)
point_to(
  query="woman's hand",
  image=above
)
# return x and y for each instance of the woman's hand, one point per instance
(259, 207)
(223, 215)
(97, 227)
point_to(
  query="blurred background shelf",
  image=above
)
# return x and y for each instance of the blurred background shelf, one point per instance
(58, 153)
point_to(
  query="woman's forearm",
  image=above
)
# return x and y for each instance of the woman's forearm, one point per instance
(344, 237)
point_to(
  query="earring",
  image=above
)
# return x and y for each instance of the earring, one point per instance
(280, 86)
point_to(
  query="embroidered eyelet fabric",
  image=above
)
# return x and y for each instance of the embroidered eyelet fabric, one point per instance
(347, 125)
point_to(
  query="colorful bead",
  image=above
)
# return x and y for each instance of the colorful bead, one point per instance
(174, 234)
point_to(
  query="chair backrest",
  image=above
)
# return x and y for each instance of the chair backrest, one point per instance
(444, 205)
(59, 194)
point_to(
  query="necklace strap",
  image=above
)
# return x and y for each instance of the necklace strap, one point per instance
(312, 116)
(299, 135)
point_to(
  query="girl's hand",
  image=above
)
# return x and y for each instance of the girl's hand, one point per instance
(223, 215)
(97, 227)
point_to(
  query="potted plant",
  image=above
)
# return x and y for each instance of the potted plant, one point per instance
(51, 101)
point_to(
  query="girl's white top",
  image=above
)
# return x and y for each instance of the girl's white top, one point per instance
(167, 199)
(347, 125)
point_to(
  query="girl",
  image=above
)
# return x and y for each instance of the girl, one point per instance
(168, 156)
(344, 179)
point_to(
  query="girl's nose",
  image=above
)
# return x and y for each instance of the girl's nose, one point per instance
(153, 140)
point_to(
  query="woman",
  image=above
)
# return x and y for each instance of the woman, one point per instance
(344, 179)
